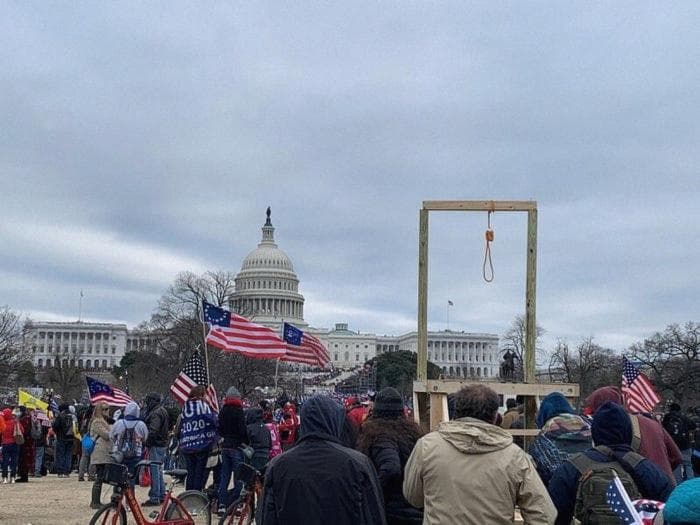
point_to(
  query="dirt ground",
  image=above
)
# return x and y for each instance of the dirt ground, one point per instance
(52, 501)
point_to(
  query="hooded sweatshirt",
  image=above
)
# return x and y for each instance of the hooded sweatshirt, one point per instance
(656, 444)
(612, 428)
(130, 420)
(319, 481)
(437, 477)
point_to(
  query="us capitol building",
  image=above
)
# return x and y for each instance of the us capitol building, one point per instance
(267, 292)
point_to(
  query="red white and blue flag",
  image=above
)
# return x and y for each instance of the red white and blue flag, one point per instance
(620, 503)
(648, 509)
(232, 333)
(638, 392)
(304, 348)
(100, 391)
(194, 374)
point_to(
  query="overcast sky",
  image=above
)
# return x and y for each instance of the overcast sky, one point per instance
(140, 140)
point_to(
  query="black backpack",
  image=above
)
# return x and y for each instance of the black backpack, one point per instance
(677, 427)
(591, 500)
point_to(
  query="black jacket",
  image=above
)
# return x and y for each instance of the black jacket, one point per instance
(258, 434)
(390, 458)
(232, 426)
(319, 481)
(158, 422)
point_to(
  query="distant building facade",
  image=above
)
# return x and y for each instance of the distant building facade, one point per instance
(267, 292)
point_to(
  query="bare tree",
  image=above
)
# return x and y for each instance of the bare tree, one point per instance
(588, 364)
(13, 350)
(514, 340)
(64, 378)
(673, 359)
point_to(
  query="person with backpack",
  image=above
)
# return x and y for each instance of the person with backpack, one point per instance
(680, 428)
(10, 445)
(578, 487)
(128, 436)
(64, 430)
(650, 439)
(100, 426)
(157, 420)
(562, 433)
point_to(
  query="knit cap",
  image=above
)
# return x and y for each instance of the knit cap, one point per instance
(233, 392)
(388, 403)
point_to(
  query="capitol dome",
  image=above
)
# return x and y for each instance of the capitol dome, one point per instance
(267, 289)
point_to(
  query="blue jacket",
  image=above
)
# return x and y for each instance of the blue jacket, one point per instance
(611, 427)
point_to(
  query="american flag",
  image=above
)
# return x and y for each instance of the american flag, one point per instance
(637, 390)
(304, 348)
(620, 503)
(100, 391)
(192, 375)
(233, 333)
(648, 509)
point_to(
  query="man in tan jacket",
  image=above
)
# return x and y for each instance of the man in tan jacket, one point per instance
(470, 472)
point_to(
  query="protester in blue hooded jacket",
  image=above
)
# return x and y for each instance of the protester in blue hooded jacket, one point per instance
(611, 427)
(197, 436)
(319, 481)
(128, 436)
(562, 434)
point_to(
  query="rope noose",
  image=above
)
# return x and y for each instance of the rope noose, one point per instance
(489, 235)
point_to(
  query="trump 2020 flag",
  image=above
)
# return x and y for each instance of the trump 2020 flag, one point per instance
(620, 503)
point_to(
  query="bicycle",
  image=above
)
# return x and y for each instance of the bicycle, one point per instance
(242, 511)
(188, 508)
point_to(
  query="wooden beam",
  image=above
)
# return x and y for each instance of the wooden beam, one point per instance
(479, 205)
(422, 358)
(435, 386)
(531, 297)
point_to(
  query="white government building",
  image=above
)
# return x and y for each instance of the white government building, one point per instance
(267, 291)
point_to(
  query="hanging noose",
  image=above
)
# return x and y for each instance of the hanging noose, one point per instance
(489, 235)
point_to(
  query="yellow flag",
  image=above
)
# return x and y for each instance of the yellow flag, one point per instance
(30, 401)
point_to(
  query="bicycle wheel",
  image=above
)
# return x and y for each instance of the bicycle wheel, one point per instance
(240, 512)
(108, 515)
(196, 503)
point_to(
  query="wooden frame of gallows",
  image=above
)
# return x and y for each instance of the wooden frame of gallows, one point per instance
(430, 396)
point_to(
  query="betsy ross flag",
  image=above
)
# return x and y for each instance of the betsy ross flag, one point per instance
(232, 333)
(304, 348)
(620, 503)
(192, 375)
(638, 392)
(100, 391)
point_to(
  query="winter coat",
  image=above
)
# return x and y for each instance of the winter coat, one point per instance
(258, 436)
(232, 424)
(2, 426)
(129, 421)
(470, 472)
(319, 481)
(683, 506)
(99, 431)
(389, 458)
(612, 428)
(656, 445)
(158, 423)
(63, 426)
(8, 433)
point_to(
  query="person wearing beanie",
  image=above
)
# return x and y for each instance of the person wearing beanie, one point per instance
(233, 432)
(387, 438)
(319, 481)
(158, 422)
(562, 433)
(683, 505)
(655, 443)
(611, 428)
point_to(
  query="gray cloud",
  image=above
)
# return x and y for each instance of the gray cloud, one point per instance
(141, 140)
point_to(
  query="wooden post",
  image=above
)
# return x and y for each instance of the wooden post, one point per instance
(530, 297)
(422, 369)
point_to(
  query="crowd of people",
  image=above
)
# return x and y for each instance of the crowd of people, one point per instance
(365, 461)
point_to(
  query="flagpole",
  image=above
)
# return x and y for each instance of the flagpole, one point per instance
(200, 308)
(80, 306)
(277, 365)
